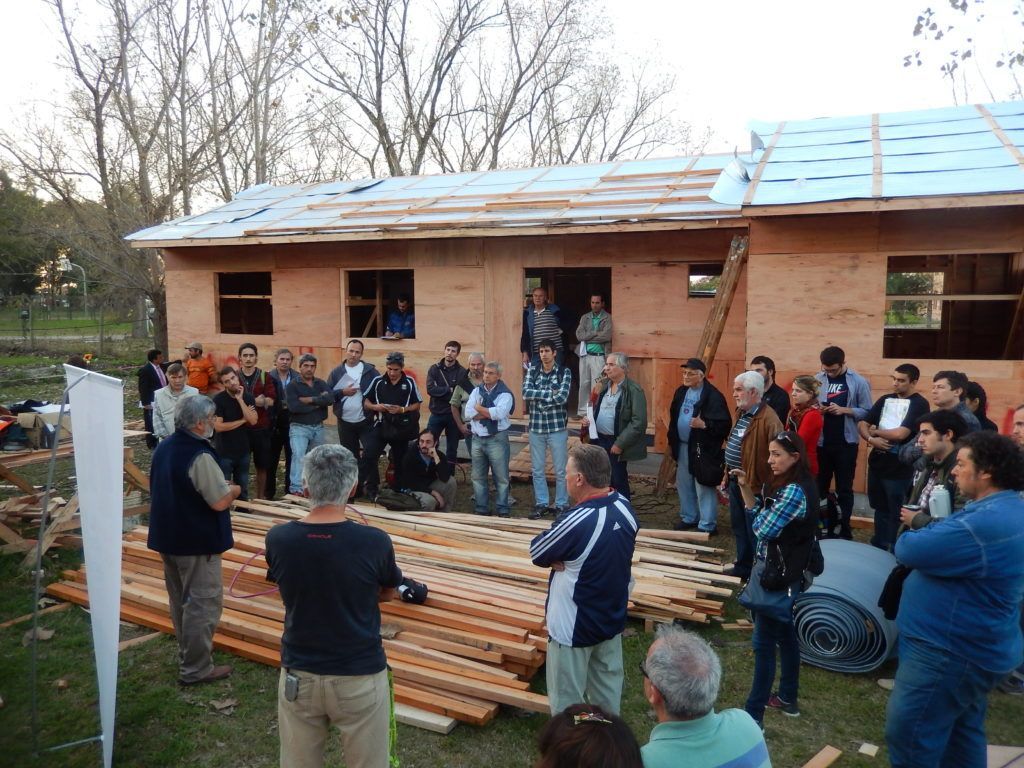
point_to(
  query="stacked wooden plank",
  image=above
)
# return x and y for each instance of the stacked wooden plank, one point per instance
(478, 639)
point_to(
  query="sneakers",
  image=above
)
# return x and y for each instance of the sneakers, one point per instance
(886, 683)
(539, 510)
(776, 702)
(217, 673)
(1013, 685)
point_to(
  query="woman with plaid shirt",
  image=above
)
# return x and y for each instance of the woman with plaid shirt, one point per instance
(787, 504)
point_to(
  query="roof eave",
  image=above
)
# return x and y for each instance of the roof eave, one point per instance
(727, 221)
(938, 202)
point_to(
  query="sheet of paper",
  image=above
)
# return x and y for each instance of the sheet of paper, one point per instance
(593, 424)
(894, 412)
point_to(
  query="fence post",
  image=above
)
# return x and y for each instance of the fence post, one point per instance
(31, 328)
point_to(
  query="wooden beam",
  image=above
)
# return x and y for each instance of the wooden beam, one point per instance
(41, 612)
(1000, 134)
(919, 203)
(752, 187)
(715, 326)
(951, 296)
(876, 158)
(824, 758)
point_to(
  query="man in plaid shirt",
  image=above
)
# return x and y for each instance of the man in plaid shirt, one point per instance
(546, 389)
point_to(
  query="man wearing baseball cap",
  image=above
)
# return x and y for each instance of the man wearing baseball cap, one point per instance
(201, 373)
(698, 423)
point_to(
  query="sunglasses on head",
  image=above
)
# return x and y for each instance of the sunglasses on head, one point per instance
(783, 437)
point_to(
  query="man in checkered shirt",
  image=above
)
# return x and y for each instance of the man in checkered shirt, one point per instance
(546, 389)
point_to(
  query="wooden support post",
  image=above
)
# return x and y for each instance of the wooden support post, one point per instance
(715, 326)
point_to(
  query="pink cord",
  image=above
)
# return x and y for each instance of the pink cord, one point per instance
(231, 587)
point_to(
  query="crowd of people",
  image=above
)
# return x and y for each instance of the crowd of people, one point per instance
(944, 488)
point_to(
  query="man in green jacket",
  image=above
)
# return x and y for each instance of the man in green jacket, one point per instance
(620, 418)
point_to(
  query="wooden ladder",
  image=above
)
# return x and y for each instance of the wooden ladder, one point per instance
(715, 325)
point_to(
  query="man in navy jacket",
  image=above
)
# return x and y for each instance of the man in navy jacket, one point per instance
(589, 549)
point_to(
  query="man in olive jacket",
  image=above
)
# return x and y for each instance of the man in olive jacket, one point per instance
(620, 415)
(698, 423)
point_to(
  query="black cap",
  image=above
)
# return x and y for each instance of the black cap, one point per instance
(695, 364)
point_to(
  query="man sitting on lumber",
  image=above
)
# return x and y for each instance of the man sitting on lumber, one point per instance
(332, 573)
(189, 525)
(682, 675)
(589, 549)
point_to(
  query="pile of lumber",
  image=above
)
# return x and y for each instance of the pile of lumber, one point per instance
(479, 638)
(19, 522)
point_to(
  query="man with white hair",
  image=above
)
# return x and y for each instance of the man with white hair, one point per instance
(620, 415)
(682, 676)
(332, 572)
(189, 525)
(747, 449)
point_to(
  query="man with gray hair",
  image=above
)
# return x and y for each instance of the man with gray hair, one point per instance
(747, 448)
(308, 399)
(332, 573)
(487, 411)
(189, 525)
(682, 675)
(620, 415)
(589, 549)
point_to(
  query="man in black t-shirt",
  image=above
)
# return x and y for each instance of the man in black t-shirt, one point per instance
(332, 573)
(394, 400)
(235, 412)
(890, 424)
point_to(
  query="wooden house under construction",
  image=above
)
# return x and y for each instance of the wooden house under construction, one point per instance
(899, 237)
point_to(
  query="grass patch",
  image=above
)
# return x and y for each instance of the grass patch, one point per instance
(160, 724)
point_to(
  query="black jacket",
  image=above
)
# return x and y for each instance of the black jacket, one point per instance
(713, 409)
(417, 476)
(441, 383)
(149, 383)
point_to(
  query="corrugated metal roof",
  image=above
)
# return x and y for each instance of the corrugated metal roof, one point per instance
(969, 150)
(673, 189)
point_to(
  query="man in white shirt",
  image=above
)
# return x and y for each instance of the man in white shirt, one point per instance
(487, 411)
(349, 382)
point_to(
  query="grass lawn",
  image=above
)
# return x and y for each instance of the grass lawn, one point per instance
(59, 322)
(160, 724)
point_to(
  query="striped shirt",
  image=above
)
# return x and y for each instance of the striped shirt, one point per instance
(545, 328)
(733, 446)
(547, 394)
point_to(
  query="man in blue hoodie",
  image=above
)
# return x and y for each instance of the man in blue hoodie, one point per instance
(959, 617)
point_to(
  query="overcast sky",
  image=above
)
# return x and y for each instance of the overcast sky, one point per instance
(735, 60)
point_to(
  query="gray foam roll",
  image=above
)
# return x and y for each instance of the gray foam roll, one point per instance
(838, 621)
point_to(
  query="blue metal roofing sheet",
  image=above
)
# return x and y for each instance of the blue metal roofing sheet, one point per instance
(948, 151)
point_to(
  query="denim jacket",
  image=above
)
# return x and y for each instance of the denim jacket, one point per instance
(965, 591)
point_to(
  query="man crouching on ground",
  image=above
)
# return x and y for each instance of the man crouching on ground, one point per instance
(332, 573)
(190, 526)
(589, 549)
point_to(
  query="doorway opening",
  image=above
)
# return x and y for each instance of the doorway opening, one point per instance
(571, 289)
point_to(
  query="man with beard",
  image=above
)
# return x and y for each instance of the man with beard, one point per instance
(235, 413)
(442, 378)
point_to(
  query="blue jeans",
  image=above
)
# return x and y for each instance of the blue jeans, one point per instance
(742, 530)
(886, 495)
(491, 452)
(620, 477)
(559, 444)
(936, 712)
(236, 470)
(302, 438)
(446, 423)
(769, 634)
(694, 497)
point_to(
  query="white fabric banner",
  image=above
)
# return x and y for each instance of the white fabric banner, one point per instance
(97, 431)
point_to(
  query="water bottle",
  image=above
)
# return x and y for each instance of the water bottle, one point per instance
(939, 506)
